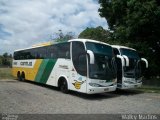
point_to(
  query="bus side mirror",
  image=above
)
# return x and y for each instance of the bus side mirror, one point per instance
(143, 59)
(122, 59)
(91, 55)
(126, 60)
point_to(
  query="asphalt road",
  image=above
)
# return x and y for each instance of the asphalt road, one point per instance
(26, 97)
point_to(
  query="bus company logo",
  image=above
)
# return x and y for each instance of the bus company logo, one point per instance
(63, 66)
(77, 84)
(14, 63)
(26, 63)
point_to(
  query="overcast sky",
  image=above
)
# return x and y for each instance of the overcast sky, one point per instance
(27, 22)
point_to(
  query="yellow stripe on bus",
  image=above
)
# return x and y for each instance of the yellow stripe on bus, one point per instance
(30, 73)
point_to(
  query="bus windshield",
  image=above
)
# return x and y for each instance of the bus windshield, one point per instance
(134, 68)
(104, 66)
(130, 53)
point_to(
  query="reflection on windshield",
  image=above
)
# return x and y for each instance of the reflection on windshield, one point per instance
(130, 53)
(134, 68)
(99, 48)
(104, 66)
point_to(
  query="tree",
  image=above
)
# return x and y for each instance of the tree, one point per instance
(0, 60)
(97, 33)
(135, 23)
(6, 59)
(64, 37)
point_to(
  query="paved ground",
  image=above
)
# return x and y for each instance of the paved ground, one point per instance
(26, 97)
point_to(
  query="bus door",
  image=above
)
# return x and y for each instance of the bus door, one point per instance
(79, 70)
(119, 66)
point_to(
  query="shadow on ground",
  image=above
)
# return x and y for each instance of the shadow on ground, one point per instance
(100, 96)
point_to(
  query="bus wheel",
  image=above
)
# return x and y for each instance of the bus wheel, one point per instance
(63, 85)
(19, 76)
(22, 76)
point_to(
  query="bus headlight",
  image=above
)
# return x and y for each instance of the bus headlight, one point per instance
(94, 85)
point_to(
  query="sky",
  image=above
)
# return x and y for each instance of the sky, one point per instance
(24, 23)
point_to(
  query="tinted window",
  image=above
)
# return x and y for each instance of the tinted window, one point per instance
(99, 48)
(104, 63)
(16, 55)
(52, 52)
(116, 52)
(25, 54)
(130, 53)
(61, 50)
(42, 52)
(79, 58)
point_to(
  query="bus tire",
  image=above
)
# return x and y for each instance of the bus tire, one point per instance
(19, 76)
(63, 85)
(22, 76)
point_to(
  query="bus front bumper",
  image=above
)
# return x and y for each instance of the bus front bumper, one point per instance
(129, 86)
(93, 90)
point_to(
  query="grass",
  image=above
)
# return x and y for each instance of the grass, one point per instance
(149, 89)
(6, 73)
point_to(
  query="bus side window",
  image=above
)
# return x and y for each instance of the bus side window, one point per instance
(16, 56)
(52, 52)
(22, 55)
(28, 54)
(37, 53)
(33, 54)
(67, 54)
(64, 50)
(41, 52)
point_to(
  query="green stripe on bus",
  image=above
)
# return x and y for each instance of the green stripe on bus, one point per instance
(45, 70)
(41, 70)
(48, 70)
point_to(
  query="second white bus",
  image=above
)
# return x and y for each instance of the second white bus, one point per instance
(129, 67)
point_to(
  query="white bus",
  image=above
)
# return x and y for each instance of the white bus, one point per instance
(81, 65)
(129, 67)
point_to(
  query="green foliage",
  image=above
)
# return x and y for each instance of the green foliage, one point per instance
(135, 23)
(6, 60)
(64, 37)
(97, 33)
(0, 60)
(131, 19)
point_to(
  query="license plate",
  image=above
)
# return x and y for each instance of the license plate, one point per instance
(128, 79)
(102, 81)
(106, 89)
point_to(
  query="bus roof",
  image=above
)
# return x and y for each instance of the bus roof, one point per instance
(39, 45)
(88, 40)
(50, 43)
(119, 46)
